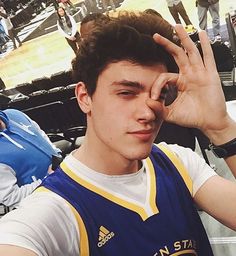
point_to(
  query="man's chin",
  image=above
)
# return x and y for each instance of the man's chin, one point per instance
(140, 153)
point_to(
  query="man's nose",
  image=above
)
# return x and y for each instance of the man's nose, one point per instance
(144, 112)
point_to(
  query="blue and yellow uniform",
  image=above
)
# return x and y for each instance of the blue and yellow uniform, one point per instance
(168, 224)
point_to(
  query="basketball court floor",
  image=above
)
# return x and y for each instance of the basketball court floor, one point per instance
(48, 54)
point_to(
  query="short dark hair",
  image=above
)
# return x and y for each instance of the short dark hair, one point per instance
(153, 12)
(127, 37)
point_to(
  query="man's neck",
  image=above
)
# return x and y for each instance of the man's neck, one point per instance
(110, 164)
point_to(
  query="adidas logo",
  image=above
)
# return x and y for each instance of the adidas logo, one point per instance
(104, 236)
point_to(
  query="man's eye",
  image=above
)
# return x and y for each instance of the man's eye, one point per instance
(126, 93)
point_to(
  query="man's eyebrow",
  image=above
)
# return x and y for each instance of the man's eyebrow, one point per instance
(129, 83)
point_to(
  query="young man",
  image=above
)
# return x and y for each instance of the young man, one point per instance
(119, 194)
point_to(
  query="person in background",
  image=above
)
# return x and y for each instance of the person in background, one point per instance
(67, 5)
(7, 24)
(55, 4)
(106, 3)
(3, 36)
(120, 194)
(68, 28)
(92, 5)
(213, 6)
(176, 8)
(25, 156)
(91, 21)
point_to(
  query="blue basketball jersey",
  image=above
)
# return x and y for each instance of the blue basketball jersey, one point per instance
(109, 224)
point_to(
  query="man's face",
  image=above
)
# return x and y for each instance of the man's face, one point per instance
(120, 121)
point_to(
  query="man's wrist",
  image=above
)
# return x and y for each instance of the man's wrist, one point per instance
(223, 141)
(223, 135)
(224, 150)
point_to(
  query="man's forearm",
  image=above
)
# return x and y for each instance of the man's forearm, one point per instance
(12, 250)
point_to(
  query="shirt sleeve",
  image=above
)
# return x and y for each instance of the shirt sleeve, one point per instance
(62, 31)
(198, 170)
(10, 193)
(74, 26)
(44, 224)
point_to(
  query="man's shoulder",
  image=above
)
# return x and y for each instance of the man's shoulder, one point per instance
(12, 111)
(17, 115)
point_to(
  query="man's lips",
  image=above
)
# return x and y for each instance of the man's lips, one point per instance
(143, 134)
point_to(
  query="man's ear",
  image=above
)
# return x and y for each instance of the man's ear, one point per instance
(84, 100)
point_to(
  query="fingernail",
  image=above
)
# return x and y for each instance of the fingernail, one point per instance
(154, 96)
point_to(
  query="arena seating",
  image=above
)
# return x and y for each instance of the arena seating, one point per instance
(4, 100)
(26, 88)
(62, 78)
(43, 83)
(63, 122)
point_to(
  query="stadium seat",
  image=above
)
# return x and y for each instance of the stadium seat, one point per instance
(20, 102)
(4, 100)
(43, 83)
(62, 78)
(55, 119)
(48, 116)
(26, 88)
(76, 116)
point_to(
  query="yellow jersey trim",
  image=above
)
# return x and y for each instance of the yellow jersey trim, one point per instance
(128, 205)
(153, 187)
(84, 245)
(180, 167)
(184, 252)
